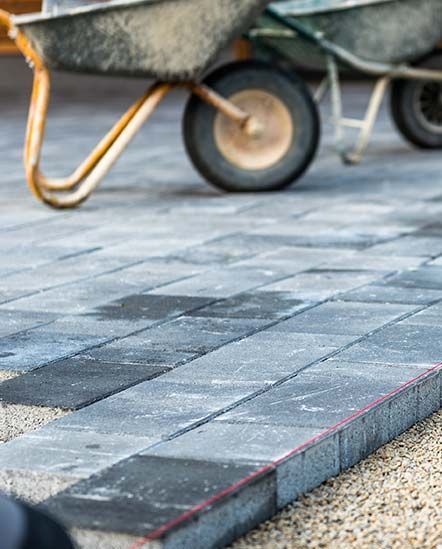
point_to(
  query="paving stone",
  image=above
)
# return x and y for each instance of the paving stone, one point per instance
(150, 306)
(317, 285)
(399, 344)
(429, 395)
(429, 278)
(144, 492)
(257, 361)
(343, 318)
(220, 283)
(74, 383)
(155, 408)
(312, 236)
(379, 263)
(272, 305)
(383, 293)
(364, 435)
(307, 470)
(191, 335)
(223, 441)
(12, 322)
(69, 452)
(135, 350)
(431, 316)
(412, 245)
(29, 350)
(315, 398)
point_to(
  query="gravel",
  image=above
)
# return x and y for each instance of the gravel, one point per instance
(393, 499)
(4, 376)
(16, 419)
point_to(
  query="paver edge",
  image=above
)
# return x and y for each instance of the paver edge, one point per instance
(161, 534)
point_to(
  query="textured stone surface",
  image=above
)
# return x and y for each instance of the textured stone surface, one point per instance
(143, 492)
(264, 319)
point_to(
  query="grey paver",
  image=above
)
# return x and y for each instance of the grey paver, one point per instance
(384, 293)
(70, 452)
(400, 344)
(343, 318)
(29, 350)
(223, 441)
(320, 396)
(316, 285)
(258, 360)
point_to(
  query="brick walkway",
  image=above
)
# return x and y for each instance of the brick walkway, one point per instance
(189, 339)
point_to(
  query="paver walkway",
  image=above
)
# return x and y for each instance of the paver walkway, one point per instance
(214, 355)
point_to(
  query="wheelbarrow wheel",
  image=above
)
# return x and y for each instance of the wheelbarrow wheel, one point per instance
(416, 107)
(268, 160)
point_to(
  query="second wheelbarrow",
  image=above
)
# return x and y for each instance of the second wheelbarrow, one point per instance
(392, 40)
(247, 126)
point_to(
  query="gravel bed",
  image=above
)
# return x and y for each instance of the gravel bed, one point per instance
(393, 499)
(16, 419)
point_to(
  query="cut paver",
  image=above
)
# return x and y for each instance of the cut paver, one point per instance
(178, 364)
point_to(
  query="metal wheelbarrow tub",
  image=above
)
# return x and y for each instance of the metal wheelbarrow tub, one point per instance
(383, 31)
(169, 40)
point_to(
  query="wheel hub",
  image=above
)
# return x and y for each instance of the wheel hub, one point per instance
(265, 138)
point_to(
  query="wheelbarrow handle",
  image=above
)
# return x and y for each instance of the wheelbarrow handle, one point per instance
(89, 174)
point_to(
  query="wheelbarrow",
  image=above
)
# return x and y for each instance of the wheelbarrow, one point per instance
(392, 40)
(247, 126)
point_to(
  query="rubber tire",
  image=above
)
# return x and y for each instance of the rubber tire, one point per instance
(199, 119)
(404, 113)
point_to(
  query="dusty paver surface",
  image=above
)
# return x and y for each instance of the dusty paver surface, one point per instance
(391, 499)
(166, 343)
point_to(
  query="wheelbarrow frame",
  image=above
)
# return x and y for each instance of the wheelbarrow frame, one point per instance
(71, 191)
(337, 56)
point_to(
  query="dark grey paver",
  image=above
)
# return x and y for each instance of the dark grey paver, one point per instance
(74, 383)
(144, 492)
(149, 306)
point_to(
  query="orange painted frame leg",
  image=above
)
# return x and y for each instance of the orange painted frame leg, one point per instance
(78, 186)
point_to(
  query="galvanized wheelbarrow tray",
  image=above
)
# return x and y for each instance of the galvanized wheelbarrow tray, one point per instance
(174, 42)
(390, 39)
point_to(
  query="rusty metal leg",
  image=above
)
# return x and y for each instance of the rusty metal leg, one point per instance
(89, 174)
(87, 177)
